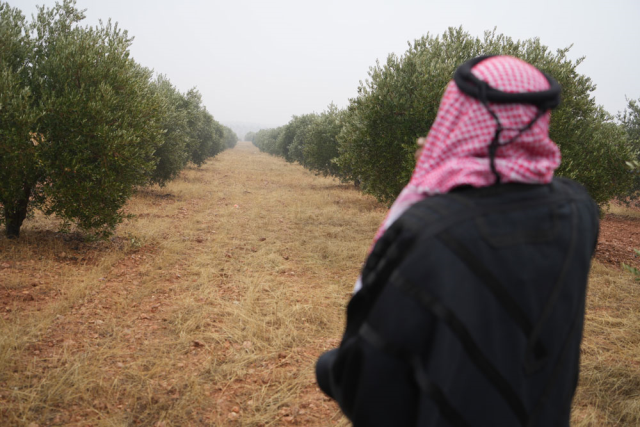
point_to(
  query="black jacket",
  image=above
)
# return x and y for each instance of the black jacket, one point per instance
(471, 312)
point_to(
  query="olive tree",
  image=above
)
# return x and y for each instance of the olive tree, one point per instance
(290, 143)
(190, 133)
(205, 135)
(320, 144)
(230, 138)
(87, 119)
(171, 155)
(630, 122)
(19, 166)
(249, 136)
(266, 140)
(399, 101)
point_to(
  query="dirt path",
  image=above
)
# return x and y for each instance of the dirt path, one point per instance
(210, 306)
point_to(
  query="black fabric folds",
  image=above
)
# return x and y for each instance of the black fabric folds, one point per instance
(471, 312)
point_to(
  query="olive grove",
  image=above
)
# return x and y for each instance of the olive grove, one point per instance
(82, 124)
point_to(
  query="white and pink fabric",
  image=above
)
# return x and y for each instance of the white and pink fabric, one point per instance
(456, 151)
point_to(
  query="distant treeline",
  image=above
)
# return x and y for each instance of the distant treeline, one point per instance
(82, 124)
(243, 128)
(372, 142)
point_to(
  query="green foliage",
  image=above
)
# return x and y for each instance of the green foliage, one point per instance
(19, 166)
(206, 136)
(172, 154)
(607, 154)
(77, 118)
(320, 144)
(198, 145)
(230, 138)
(210, 135)
(630, 121)
(310, 140)
(190, 132)
(292, 140)
(399, 102)
(81, 124)
(266, 140)
(99, 120)
(285, 139)
(249, 136)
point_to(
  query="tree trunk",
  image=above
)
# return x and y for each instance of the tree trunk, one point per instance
(15, 213)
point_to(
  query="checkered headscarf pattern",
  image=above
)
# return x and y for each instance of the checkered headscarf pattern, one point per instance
(457, 147)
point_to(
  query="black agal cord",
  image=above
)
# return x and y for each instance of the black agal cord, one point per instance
(470, 85)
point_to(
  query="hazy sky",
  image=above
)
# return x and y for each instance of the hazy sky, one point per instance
(264, 61)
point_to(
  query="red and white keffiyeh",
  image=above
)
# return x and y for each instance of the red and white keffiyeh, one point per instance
(456, 149)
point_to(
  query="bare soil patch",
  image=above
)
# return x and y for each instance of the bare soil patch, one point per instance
(619, 235)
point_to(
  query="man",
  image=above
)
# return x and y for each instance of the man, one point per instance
(470, 308)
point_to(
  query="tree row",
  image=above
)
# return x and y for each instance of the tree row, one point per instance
(82, 124)
(372, 142)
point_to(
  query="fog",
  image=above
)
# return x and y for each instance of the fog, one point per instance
(257, 63)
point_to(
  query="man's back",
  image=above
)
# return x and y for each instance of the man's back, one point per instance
(471, 311)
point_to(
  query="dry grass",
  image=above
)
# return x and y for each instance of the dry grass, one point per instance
(617, 208)
(211, 306)
(609, 391)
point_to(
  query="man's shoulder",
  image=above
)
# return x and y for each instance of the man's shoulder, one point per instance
(436, 213)
(571, 185)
